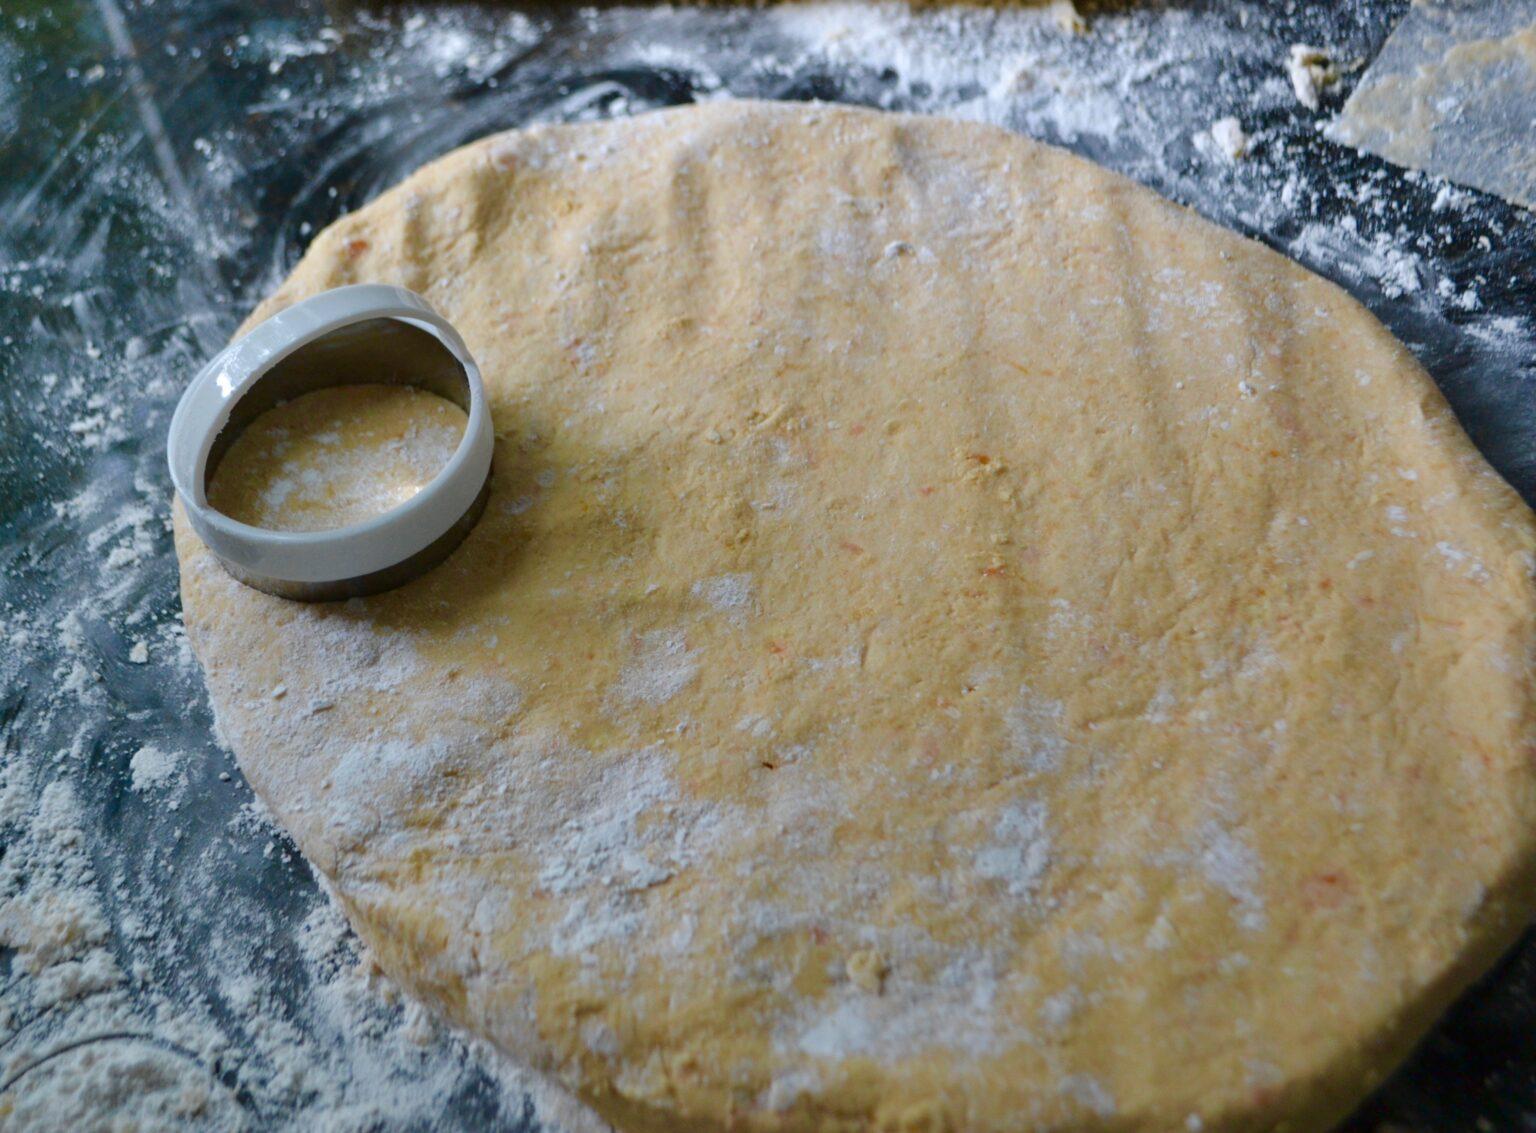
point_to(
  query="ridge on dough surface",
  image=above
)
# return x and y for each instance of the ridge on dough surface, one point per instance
(956, 642)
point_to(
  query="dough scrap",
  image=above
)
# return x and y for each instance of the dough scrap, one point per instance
(917, 552)
(1451, 93)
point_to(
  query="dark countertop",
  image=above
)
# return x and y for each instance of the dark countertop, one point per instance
(162, 165)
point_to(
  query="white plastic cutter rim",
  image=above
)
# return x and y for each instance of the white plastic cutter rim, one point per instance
(358, 550)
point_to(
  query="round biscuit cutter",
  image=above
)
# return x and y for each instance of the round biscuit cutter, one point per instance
(363, 334)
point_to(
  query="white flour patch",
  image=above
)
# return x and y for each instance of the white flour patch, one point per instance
(69, 980)
(1090, 1093)
(755, 725)
(728, 593)
(1019, 852)
(143, 1086)
(1382, 259)
(981, 64)
(590, 922)
(602, 843)
(956, 1011)
(1231, 865)
(662, 667)
(629, 831)
(1032, 727)
(152, 767)
(786, 1087)
(1460, 562)
(47, 926)
(1159, 706)
(372, 783)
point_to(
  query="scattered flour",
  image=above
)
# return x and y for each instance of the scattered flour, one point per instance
(89, 1045)
(179, 1020)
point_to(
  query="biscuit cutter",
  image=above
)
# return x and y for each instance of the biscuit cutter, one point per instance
(364, 333)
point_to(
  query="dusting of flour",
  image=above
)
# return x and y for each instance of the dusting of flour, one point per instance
(166, 961)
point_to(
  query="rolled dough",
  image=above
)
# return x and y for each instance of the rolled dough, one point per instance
(956, 643)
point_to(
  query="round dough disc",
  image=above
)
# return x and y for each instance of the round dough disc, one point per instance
(956, 643)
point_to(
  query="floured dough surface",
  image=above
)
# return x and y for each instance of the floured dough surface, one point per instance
(336, 456)
(956, 643)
